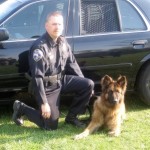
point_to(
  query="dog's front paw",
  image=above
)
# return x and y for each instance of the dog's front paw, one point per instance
(114, 133)
(77, 137)
(80, 136)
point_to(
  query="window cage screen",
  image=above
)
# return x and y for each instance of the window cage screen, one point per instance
(98, 16)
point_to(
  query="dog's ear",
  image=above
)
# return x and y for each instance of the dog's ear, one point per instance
(122, 81)
(105, 81)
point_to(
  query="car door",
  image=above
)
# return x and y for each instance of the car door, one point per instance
(24, 26)
(109, 40)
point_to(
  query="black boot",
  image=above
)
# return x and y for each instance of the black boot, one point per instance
(18, 108)
(72, 119)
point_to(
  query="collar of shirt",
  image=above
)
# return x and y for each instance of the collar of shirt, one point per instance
(51, 41)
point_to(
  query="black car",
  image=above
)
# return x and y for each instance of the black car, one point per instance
(107, 37)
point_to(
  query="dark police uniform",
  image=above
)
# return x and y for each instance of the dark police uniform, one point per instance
(54, 70)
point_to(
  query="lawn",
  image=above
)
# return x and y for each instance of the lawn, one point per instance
(135, 133)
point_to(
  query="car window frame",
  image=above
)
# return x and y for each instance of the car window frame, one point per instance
(143, 17)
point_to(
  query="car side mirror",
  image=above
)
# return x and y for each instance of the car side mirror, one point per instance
(4, 35)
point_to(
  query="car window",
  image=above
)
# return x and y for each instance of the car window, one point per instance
(144, 5)
(29, 21)
(98, 16)
(130, 18)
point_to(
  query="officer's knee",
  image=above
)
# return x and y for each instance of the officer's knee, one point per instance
(90, 84)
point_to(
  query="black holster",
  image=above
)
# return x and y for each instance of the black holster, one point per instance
(50, 80)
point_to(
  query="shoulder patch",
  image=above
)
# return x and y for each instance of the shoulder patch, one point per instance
(37, 55)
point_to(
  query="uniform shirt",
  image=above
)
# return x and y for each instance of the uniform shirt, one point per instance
(48, 58)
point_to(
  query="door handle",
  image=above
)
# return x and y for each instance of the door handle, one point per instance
(139, 44)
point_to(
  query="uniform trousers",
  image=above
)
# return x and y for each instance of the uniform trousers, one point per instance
(81, 87)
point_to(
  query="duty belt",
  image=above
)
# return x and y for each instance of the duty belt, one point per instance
(53, 79)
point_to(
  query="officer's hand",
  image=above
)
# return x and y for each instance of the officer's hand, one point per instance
(46, 111)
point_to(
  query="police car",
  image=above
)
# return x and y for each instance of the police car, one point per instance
(107, 37)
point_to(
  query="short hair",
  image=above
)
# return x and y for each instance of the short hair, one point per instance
(56, 13)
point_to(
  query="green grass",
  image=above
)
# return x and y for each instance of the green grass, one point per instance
(135, 133)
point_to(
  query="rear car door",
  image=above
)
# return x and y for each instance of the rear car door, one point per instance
(109, 40)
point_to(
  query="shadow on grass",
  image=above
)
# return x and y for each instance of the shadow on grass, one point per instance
(134, 103)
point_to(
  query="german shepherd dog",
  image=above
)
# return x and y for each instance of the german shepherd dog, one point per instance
(109, 108)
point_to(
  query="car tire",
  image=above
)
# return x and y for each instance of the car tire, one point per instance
(144, 85)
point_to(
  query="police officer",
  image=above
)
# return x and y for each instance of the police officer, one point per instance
(54, 70)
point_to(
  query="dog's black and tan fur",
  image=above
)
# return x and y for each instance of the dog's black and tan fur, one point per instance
(109, 108)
